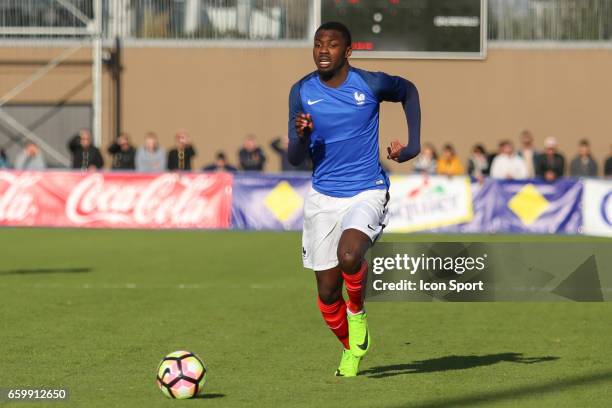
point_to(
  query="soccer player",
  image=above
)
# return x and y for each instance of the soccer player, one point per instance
(333, 118)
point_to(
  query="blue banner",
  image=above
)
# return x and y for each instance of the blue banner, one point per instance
(269, 201)
(533, 207)
(275, 202)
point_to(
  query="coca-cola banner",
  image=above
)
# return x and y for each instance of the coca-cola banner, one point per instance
(115, 200)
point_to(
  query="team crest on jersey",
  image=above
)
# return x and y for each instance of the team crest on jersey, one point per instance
(359, 97)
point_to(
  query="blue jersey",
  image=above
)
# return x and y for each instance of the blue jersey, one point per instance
(344, 142)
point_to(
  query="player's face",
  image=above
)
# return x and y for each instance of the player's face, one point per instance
(330, 52)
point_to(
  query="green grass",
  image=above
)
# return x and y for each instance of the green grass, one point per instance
(94, 311)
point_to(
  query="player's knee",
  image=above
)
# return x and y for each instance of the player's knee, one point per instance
(329, 295)
(349, 261)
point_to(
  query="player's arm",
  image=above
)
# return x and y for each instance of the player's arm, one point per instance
(404, 91)
(300, 125)
(397, 89)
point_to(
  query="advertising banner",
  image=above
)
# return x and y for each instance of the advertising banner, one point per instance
(597, 207)
(529, 206)
(115, 200)
(533, 206)
(269, 202)
(424, 202)
(275, 202)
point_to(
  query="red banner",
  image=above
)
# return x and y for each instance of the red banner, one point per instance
(115, 200)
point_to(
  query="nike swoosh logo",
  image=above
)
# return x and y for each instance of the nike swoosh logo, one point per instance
(313, 102)
(370, 227)
(364, 345)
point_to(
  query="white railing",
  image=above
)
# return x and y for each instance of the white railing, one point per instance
(550, 20)
(190, 21)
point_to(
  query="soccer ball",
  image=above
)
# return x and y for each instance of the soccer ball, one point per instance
(181, 375)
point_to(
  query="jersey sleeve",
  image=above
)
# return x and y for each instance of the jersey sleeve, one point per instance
(396, 89)
(298, 146)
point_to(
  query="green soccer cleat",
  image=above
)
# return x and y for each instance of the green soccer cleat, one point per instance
(349, 365)
(359, 335)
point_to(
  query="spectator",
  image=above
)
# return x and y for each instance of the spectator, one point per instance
(251, 156)
(551, 164)
(280, 146)
(449, 164)
(123, 153)
(608, 165)
(528, 153)
(220, 164)
(30, 158)
(4, 163)
(180, 157)
(151, 157)
(583, 164)
(426, 162)
(507, 165)
(478, 163)
(85, 156)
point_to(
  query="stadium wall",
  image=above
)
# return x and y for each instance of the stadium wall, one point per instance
(222, 94)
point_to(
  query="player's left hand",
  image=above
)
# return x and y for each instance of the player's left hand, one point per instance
(394, 150)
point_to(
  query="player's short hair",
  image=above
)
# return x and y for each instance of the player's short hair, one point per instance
(337, 26)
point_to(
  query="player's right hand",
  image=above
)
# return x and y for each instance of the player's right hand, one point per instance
(303, 123)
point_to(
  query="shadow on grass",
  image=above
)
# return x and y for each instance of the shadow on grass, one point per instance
(209, 396)
(35, 271)
(510, 394)
(451, 363)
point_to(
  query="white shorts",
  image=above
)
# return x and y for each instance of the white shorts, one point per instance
(325, 218)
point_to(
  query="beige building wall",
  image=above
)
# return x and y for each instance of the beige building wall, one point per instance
(221, 94)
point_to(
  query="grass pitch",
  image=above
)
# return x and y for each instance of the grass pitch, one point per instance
(95, 311)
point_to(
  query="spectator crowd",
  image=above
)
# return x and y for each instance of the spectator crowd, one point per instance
(509, 163)
(151, 157)
(506, 162)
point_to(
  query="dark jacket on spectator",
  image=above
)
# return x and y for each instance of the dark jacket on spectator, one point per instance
(83, 158)
(213, 167)
(608, 167)
(181, 160)
(122, 159)
(4, 163)
(556, 164)
(306, 165)
(476, 169)
(252, 161)
(579, 168)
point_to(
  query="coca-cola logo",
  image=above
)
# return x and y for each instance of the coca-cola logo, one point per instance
(17, 201)
(168, 199)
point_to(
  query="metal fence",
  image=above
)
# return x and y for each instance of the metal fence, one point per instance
(209, 19)
(550, 20)
(63, 18)
(508, 20)
(160, 19)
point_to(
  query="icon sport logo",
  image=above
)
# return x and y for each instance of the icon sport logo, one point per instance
(314, 102)
(359, 97)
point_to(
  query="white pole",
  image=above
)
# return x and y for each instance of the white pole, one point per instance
(96, 74)
(315, 18)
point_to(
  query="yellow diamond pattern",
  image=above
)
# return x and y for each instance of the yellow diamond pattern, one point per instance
(283, 201)
(528, 204)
